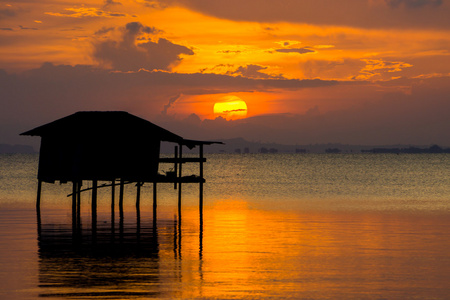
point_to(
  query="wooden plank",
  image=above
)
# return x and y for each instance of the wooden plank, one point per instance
(102, 186)
(181, 160)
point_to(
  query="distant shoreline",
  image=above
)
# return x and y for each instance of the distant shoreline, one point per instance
(16, 149)
(241, 146)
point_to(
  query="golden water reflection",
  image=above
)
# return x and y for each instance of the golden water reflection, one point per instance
(239, 252)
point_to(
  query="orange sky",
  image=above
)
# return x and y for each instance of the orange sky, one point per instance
(167, 60)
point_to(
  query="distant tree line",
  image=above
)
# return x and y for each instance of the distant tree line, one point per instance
(414, 150)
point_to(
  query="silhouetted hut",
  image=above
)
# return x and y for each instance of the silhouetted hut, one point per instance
(100, 146)
(109, 146)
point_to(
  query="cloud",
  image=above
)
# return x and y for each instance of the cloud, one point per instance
(59, 89)
(6, 28)
(27, 28)
(253, 71)
(110, 3)
(154, 4)
(53, 91)
(413, 3)
(7, 12)
(127, 55)
(375, 67)
(219, 69)
(295, 50)
(134, 28)
(104, 30)
(331, 69)
(420, 118)
(234, 110)
(230, 51)
(353, 13)
(170, 103)
(288, 43)
(84, 12)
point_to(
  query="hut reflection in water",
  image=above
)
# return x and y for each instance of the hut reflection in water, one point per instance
(127, 263)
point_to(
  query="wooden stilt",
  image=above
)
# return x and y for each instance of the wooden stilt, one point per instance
(175, 166)
(38, 197)
(74, 205)
(138, 211)
(200, 238)
(94, 207)
(38, 208)
(200, 204)
(79, 184)
(155, 203)
(138, 195)
(179, 236)
(121, 198)
(38, 221)
(113, 195)
(180, 174)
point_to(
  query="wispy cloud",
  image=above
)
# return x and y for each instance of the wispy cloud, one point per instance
(86, 12)
(254, 71)
(27, 28)
(295, 50)
(414, 3)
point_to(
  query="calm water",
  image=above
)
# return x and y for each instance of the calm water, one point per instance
(274, 226)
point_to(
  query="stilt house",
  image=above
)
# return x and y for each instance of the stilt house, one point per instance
(109, 146)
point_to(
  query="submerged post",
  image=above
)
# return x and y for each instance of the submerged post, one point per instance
(74, 205)
(113, 195)
(79, 184)
(179, 179)
(175, 166)
(201, 182)
(154, 201)
(138, 210)
(94, 207)
(38, 197)
(138, 195)
(121, 198)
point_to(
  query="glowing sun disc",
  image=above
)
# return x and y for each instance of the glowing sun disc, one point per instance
(232, 109)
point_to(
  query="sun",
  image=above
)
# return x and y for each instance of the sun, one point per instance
(230, 108)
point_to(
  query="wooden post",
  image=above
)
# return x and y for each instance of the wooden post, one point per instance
(113, 195)
(74, 205)
(138, 195)
(200, 238)
(175, 166)
(79, 185)
(201, 183)
(121, 198)
(38, 197)
(138, 211)
(154, 202)
(94, 208)
(38, 220)
(180, 174)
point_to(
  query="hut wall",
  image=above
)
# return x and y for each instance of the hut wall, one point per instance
(98, 157)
